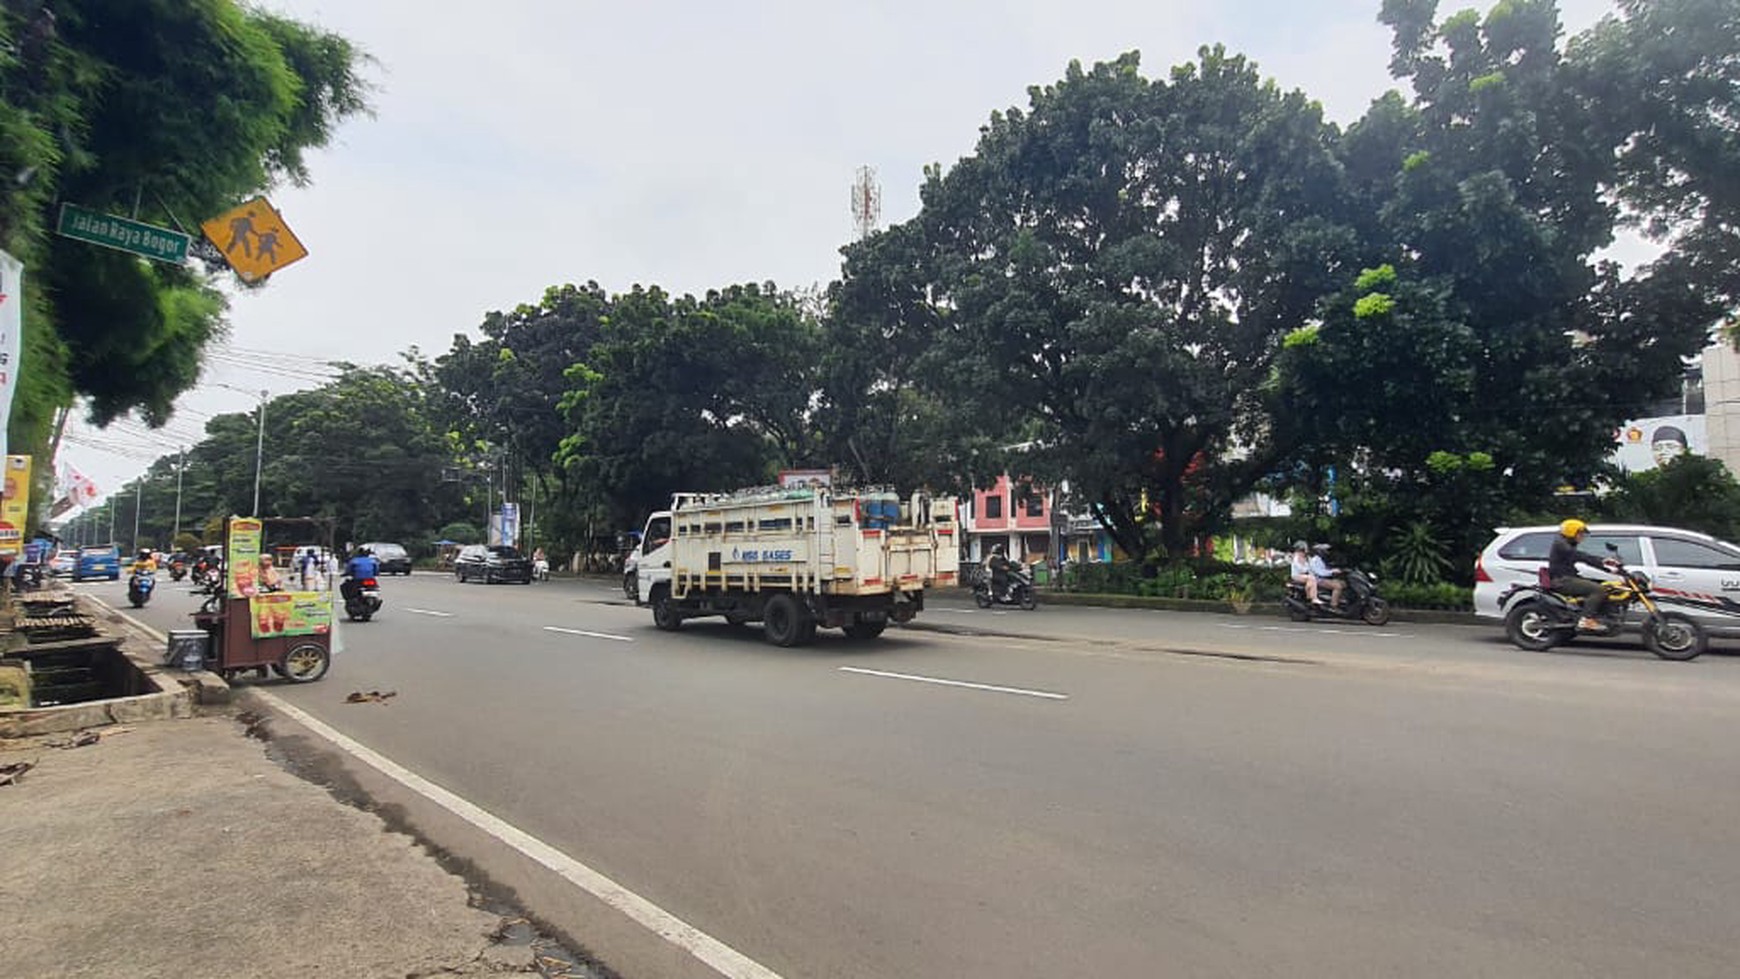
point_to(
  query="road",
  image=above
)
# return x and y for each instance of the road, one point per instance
(1087, 792)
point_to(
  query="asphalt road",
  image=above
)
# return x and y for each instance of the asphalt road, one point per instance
(1091, 792)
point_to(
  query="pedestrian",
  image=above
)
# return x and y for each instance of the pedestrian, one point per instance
(309, 566)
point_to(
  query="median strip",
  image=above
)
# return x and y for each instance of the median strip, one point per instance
(1044, 694)
(583, 632)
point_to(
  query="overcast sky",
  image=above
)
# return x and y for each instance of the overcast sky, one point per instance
(521, 144)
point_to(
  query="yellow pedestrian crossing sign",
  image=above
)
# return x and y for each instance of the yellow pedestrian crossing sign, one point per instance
(254, 239)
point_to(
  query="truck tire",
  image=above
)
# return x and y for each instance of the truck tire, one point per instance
(861, 628)
(784, 621)
(665, 615)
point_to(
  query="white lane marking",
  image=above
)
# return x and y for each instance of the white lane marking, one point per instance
(430, 611)
(956, 683)
(583, 632)
(720, 957)
(1327, 632)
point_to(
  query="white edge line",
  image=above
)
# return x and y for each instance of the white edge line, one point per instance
(583, 632)
(956, 683)
(718, 956)
(428, 611)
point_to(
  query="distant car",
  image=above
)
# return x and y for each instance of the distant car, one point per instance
(98, 562)
(393, 558)
(1689, 571)
(64, 564)
(491, 564)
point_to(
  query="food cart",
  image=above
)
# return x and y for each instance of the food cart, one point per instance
(253, 620)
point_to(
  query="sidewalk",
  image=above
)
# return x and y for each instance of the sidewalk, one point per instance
(178, 848)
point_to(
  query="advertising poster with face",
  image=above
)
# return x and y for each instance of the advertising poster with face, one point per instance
(1648, 443)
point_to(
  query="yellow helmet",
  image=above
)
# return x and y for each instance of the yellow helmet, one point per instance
(1573, 527)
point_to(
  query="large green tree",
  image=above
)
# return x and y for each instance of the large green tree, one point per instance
(707, 393)
(1485, 358)
(167, 110)
(1111, 273)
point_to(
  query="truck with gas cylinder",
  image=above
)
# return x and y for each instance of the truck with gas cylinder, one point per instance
(797, 559)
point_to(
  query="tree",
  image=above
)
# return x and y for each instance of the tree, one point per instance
(1484, 360)
(1691, 491)
(1114, 269)
(166, 110)
(690, 394)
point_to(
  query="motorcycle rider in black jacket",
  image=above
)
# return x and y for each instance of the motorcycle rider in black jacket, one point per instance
(1562, 561)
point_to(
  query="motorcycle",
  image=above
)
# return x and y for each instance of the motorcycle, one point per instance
(139, 588)
(1018, 590)
(1359, 600)
(1537, 618)
(177, 569)
(541, 570)
(363, 599)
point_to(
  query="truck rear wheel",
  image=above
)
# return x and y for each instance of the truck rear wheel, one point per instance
(786, 623)
(665, 615)
(862, 628)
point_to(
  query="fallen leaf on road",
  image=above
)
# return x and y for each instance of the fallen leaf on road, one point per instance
(78, 740)
(372, 697)
(15, 771)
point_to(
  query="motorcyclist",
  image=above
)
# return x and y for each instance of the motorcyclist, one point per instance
(144, 562)
(1327, 577)
(1299, 569)
(361, 565)
(1562, 561)
(999, 564)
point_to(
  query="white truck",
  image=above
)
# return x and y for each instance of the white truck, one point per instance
(797, 560)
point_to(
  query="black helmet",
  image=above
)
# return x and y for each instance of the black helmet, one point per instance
(998, 549)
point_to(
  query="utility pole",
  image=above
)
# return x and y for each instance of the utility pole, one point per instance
(260, 451)
(138, 504)
(180, 468)
(111, 520)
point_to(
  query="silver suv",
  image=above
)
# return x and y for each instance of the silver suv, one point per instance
(1693, 572)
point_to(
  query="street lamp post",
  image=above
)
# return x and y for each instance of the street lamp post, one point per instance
(260, 451)
(138, 504)
(180, 468)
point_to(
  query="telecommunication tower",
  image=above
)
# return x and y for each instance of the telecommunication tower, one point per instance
(866, 202)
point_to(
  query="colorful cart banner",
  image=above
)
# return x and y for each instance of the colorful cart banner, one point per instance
(290, 613)
(15, 506)
(242, 557)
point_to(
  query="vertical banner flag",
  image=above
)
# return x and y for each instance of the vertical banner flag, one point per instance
(11, 335)
(14, 504)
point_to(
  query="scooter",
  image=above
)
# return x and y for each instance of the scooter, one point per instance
(1537, 618)
(1359, 600)
(177, 569)
(541, 570)
(1018, 590)
(363, 600)
(139, 588)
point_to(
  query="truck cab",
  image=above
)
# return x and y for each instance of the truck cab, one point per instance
(652, 563)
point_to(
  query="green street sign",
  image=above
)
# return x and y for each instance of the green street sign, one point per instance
(147, 240)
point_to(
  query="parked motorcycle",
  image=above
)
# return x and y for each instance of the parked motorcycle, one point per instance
(363, 599)
(1017, 590)
(1537, 618)
(1359, 600)
(139, 588)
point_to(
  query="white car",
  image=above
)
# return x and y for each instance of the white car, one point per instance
(1692, 572)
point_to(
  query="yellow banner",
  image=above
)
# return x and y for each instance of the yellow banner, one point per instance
(15, 506)
(242, 557)
(290, 613)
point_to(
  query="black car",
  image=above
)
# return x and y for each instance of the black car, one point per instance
(492, 564)
(393, 558)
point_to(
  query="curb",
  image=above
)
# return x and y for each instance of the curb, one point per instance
(1084, 599)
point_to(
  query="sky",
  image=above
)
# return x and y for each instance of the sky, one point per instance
(690, 144)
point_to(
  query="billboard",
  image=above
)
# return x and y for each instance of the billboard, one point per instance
(15, 504)
(1647, 443)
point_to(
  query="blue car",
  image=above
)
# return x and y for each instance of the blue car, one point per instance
(98, 562)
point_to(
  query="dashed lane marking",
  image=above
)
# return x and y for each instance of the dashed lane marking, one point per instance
(1044, 694)
(583, 632)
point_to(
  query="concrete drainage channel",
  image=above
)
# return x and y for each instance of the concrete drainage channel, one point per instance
(60, 673)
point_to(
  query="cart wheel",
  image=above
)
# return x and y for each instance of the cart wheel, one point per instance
(306, 663)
